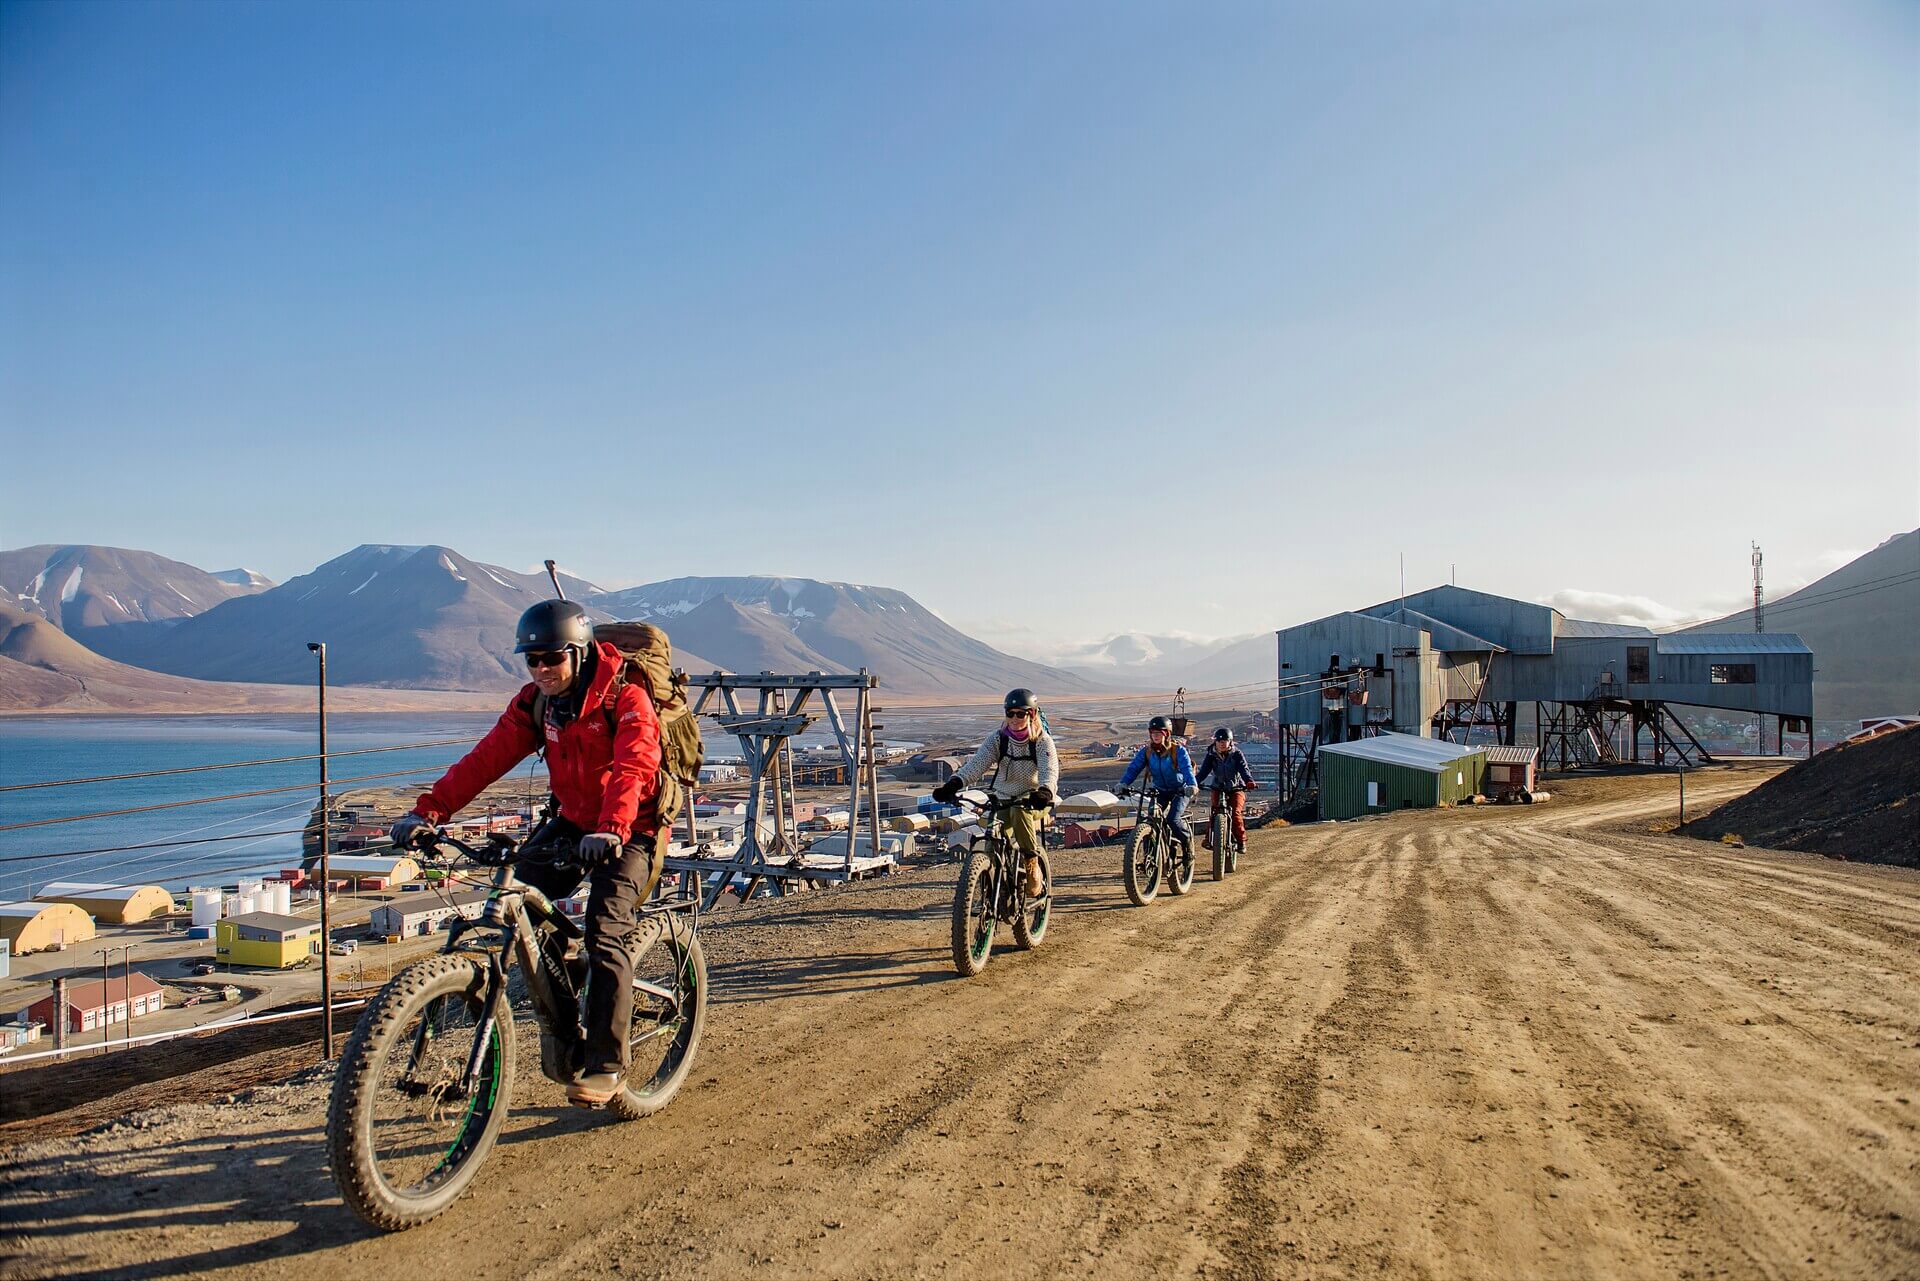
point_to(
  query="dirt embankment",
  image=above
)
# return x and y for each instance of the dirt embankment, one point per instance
(1527, 1042)
(1857, 801)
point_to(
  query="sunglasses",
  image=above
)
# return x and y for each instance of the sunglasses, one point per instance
(555, 658)
(1018, 716)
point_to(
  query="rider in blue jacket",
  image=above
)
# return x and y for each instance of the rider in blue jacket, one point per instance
(1169, 772)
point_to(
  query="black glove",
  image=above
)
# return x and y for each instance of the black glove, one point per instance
(948, 792)
(1042, 797)
(409, 830)
(599, 847)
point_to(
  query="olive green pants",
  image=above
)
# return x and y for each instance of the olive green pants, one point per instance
(1023, 827)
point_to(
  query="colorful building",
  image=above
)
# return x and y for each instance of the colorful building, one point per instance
(39, 927)
(266, 939)
(93, 1005)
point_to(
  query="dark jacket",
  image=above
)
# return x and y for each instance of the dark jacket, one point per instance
(604, 768)
(1228, 771)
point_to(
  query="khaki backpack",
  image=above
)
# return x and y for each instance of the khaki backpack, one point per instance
(649, 664)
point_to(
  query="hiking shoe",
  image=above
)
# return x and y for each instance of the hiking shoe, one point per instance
(594, 1090)
(1036, 884)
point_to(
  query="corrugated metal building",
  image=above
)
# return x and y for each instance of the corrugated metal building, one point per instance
(1387, 772)
(1449, 657)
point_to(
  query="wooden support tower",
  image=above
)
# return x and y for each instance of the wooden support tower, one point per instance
(769, 851)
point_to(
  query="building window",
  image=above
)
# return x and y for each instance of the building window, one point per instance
(1373, 795)
(1639, 664)
(1733, 673)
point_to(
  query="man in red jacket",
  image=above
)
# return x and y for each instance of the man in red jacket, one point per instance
(602, 744)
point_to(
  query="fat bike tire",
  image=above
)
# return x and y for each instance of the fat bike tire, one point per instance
(669, 1014)
(973, 912)
(1141, 872)
(399, 1099)
(1221, 861)
(1180, 864)
(1030, 922)
(1233, 855)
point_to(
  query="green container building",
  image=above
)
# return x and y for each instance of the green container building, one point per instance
(1388, 772)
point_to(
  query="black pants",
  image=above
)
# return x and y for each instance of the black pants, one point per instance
(611, 903)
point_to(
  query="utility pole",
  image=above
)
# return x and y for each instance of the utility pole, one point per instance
(106, 1002)
(326, 869)
(126, 984)
(1759, 594)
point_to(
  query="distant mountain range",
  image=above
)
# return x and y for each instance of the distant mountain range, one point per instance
(1862, 622)
(802, 624)
(85, 589)
(42, 669)
(429, 618)
(1139, 660)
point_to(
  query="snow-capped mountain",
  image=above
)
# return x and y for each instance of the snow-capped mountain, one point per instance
(802, 624)
(83, 589)
(1140, 660)
(252, 579)
(404, 617)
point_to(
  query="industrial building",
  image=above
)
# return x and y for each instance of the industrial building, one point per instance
(103, 1002)
(266, 939)
(371, 871)
(1386, 772)
(416, 914)
(1446, 660)
(115, 904)
(39, 927)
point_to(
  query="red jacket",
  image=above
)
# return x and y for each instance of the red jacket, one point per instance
(605, 781)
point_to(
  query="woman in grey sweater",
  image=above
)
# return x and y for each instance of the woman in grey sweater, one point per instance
(1021, 757)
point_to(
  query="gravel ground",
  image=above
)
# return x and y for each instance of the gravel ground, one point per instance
(1519, 1042)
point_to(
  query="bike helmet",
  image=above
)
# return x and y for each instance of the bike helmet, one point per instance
(554, 624)
(1159, 722)
(1223, 735)
(1020, 700)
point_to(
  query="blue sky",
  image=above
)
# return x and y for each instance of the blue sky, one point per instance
(1068, 319)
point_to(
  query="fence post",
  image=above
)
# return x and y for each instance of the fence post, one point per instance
(326, 868)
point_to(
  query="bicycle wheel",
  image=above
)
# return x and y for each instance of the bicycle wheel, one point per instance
(1218, 838)
(1142, 871)
(669, 1013)
(405, 1133)
(1030, 924)
(1233, 855)
(1179, 864)
(973, 906)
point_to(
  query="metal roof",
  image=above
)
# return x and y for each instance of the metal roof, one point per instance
(1430, 754)
(1733, 643)
(273, 921)
(1501, 754)
(1585, 627)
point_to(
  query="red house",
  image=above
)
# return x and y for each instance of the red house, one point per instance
(89, 1005)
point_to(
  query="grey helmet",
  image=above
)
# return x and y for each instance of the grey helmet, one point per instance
(551, 625)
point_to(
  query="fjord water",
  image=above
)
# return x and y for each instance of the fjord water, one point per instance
(36, 748)
(62, 747)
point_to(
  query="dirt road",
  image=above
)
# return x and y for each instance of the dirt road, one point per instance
(1515, 1043)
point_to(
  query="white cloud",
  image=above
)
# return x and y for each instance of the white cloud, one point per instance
(1606, 607)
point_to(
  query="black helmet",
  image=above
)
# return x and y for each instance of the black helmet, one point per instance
(553, 624)
(1020, 700)
(1223, 735)
(1159, 722)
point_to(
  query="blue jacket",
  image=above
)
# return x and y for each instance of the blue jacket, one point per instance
(1228, 771)
(1168, 773)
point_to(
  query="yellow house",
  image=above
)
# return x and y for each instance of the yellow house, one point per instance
(266, 939)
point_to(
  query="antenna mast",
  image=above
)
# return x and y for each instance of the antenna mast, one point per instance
(1759, 594)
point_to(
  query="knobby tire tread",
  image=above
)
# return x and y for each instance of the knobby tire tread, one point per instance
(348, 1145)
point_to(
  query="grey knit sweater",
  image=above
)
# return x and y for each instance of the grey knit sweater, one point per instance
(1023, 767)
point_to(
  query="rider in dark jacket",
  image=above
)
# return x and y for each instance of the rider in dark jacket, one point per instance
(1227, 765)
